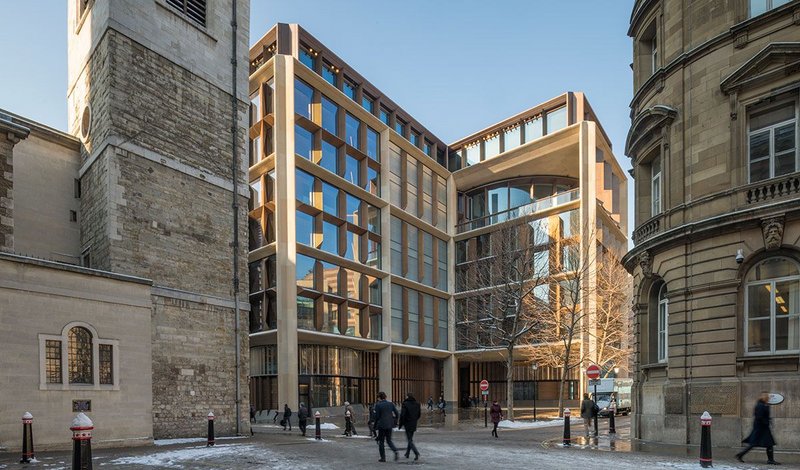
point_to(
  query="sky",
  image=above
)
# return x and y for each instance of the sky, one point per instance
(456, 66)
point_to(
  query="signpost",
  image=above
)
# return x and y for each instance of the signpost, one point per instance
(593, 374)
(485, 393)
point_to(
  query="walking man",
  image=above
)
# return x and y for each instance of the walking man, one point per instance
(587, 413)
(409, 415)
(302, 418)
(497, 414)
(371, 421)
(430, 403)
(287, 417)
(348, 408)
(760, 436)
(385, 418)
(442, 405)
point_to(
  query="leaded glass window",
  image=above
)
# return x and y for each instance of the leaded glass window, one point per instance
(80, 356)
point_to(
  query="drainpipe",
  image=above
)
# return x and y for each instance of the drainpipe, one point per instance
(235, 206)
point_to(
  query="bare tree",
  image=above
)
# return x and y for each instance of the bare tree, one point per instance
(614, 286)
(504, 303)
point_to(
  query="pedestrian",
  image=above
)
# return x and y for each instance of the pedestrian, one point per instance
(287, 417)
(587, 412)
(348, 421)
(442, 405)
(371, 421)
(349, 408)
(385, 418)
(302, 418)
(409, 415)
(274, 418)
(430, 403)
(497, 415)
(252, 413)
(760, 436)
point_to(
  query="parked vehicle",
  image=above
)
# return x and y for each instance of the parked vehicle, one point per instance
(613, 389)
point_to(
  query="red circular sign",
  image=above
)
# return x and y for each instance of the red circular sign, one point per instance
(484, 385)
(593, 371)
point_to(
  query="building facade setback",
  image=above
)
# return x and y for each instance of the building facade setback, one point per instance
(713, 145)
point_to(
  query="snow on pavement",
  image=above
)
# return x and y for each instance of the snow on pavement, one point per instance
(523, 424)
(176, 458)
(190, 440)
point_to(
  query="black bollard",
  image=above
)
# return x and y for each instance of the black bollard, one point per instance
(612, 410)
(485, 412)
(567, 439)
(27, 438)
(81, 429)
(705, 440)
(317, 430)
(210, 442)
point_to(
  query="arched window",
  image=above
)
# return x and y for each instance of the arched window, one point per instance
(663, 322)
(772, 307)
(80, 356)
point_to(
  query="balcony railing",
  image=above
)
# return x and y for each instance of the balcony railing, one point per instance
(521, 211)
(647, 229)
(773, 189)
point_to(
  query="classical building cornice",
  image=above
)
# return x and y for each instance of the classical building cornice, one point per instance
(776, 60)
(645, 123)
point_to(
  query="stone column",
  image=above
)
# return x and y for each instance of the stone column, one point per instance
(286, 253)
(10, 134)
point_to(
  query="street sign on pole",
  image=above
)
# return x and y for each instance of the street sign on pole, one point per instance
(593, 371)
(593, 374)
(484, 385)
(594, 382)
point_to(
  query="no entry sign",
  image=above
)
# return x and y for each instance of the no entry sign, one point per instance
(484, 385)
(593, 371)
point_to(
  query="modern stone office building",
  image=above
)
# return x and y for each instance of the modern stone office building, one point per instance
(713, 143)
(357, 215)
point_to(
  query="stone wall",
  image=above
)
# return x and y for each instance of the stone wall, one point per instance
(194, 366)
(6, 195)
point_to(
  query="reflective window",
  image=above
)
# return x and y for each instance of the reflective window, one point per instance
(375, 293)
(352, 246)
(556, 119)
(330, 318)
(374, 253)
(306, 58)
(353, 322)
(304, 271)
(373, 219)
(329, 158)
(511, 138)
(304, 226)
(384, 116)
(349, 88)
(353, 208)
(772, 141)
(414, 138)
(772, 318)
(53, 361)
(352, 170)
(304, 186)
(663, 324)
(255, 194)
(373, 144)
(427, 148)
(330, 238)
(442, 324)
(533, 129)
(497, 199)
(330, 199)
(373, 184)
(413, 253)
(330, 113)
(330, 278)
(105, 356)
(758, 7)
(328, 73)
(367, 102)
(519, 195)
(80, 356)
(473, 153)
(305, 313)
(303, 95)
(427, 258)
(396, 246)
(442, 264)
(655, 186)
(397, 314)
(427, 315)
(413, 317)
(303, 142)
(400, 126)
(492, 146)
(352, 126)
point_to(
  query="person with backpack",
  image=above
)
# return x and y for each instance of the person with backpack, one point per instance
(409, 416)
(302, 418)
(497, 415)
(287, 417)
(588, 410)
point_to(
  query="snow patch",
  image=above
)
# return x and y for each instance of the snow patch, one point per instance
(328, 426)
(520, 424)
(317, 440)
(176, 458)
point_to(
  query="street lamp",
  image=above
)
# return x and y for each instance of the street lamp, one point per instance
(534, 366)
(616, 372)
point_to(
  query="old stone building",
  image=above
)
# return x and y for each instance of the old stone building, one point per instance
(120, 239)
(713, 144)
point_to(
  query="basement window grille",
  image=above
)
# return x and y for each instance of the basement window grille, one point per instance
(194, 9)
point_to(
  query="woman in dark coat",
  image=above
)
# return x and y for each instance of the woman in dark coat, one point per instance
(760, 436)
(497, 414)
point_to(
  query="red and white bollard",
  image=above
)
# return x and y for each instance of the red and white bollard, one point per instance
(705, 440)
(81, 429)
(210, 442)
(27, 438)
(567, 439)
(612, 411)
(317, 428)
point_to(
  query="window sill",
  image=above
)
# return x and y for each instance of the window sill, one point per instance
(657, 365)
(768, 357)
(78, 387)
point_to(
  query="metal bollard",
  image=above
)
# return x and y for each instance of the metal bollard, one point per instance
(612, 425)
(81, 429)
(485, 413)
(317, 430)
(705, 440)
(27, 438)
(567, 439)
(210, 442)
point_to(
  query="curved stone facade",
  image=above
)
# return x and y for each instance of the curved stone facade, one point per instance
(713, 81)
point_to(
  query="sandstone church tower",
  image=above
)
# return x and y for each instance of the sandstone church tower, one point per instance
(150, 97)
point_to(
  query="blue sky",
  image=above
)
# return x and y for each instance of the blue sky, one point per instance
(456, 66)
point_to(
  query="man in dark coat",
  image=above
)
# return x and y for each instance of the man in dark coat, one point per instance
(760, 436)
(588, 410)
(385, 417)
(371, 421)
(409, 415)
(302, 418)
(287, 417)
